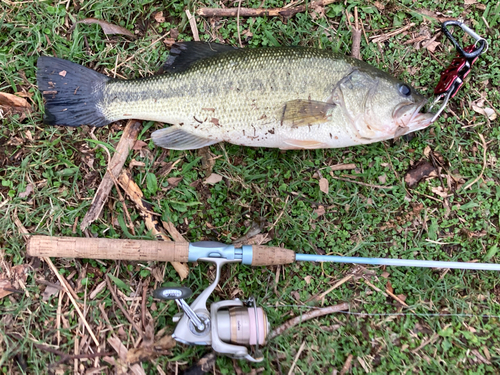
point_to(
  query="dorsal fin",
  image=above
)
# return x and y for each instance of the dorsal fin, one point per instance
(183, 54)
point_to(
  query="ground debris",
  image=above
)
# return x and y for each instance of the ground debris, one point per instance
(421, 170)
(13, 105)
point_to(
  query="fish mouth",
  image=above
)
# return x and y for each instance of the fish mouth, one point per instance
(409, 117)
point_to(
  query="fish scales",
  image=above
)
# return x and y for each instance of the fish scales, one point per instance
(244, 92)
(286, 97)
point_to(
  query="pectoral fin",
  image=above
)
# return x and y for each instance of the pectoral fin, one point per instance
(297, 144)
(174, 138)
(298, 113)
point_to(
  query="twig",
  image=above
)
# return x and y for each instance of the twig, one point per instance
(260, 12)
(375, 288)
(485, 147)
(299, 352)
(65, 285)
(238, 22)
(433, 338)
(67, 357)
(396, 298)
(308, 316)
(356, 37)
(120, 305)
(335, 286)
(384, 37)
(362, 183)
(123, 148)
(120, 198)
(152, 222)
(143, 305)
(347, 365)
(192, 23)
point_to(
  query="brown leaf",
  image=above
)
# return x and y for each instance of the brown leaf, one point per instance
(388, 287)
(6, 287)
(323, 185)
(439, 191)
(385, 274)
(488, 112)
(13, 105)
(49, 292)
(161, 347)
(158, 16)
(419, 171)
(139, 145)
(107, 27)
(27, 192)
(307, 279)
(213, 179)
(174, 181)
(320, 210)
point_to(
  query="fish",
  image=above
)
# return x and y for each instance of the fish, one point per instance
(277, 97)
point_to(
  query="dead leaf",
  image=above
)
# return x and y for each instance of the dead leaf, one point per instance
(488, 112)
(50, 291)
(419, 171)
(213, 179)
(385, 274)
(296, 295)
(388, 287)
(470, 2)
(158, 16)
(8, 281)
(6, 287)
(27, 192)
(307, 279)
(323, 185)
(320, 210)
(174, 181)
(139, 145)
(13, 105)
(107, 27)
(443, 193)
(382, 179)
(147, 353)
(135, 163)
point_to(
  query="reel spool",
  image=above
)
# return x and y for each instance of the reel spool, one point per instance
(230, 327)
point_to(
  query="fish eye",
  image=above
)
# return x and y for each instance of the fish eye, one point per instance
(404, 90)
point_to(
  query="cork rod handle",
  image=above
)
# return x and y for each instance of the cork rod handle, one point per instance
(271, 255)
(107, 248)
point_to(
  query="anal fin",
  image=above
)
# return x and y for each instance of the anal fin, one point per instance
(174, 138)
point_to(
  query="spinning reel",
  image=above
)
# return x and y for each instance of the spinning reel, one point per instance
(230, 327)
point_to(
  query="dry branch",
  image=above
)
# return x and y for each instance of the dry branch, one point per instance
(307, 316)
(152, 222)
(123, 148)
(261, 12)
(356, 37)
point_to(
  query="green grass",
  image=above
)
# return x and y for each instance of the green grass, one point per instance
(264, 186)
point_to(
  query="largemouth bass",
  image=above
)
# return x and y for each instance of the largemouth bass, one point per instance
(285, 97)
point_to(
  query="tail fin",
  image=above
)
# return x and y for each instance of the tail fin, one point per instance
(72, 93)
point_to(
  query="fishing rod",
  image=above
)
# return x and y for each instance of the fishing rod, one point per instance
(255, 255)
(230, 327)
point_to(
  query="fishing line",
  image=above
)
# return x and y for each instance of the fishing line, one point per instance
(420, 315)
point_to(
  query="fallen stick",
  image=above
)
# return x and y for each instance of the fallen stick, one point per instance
(261, 12)
(115, 166)
(356, 37)
(152, 222)
(307, 316)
